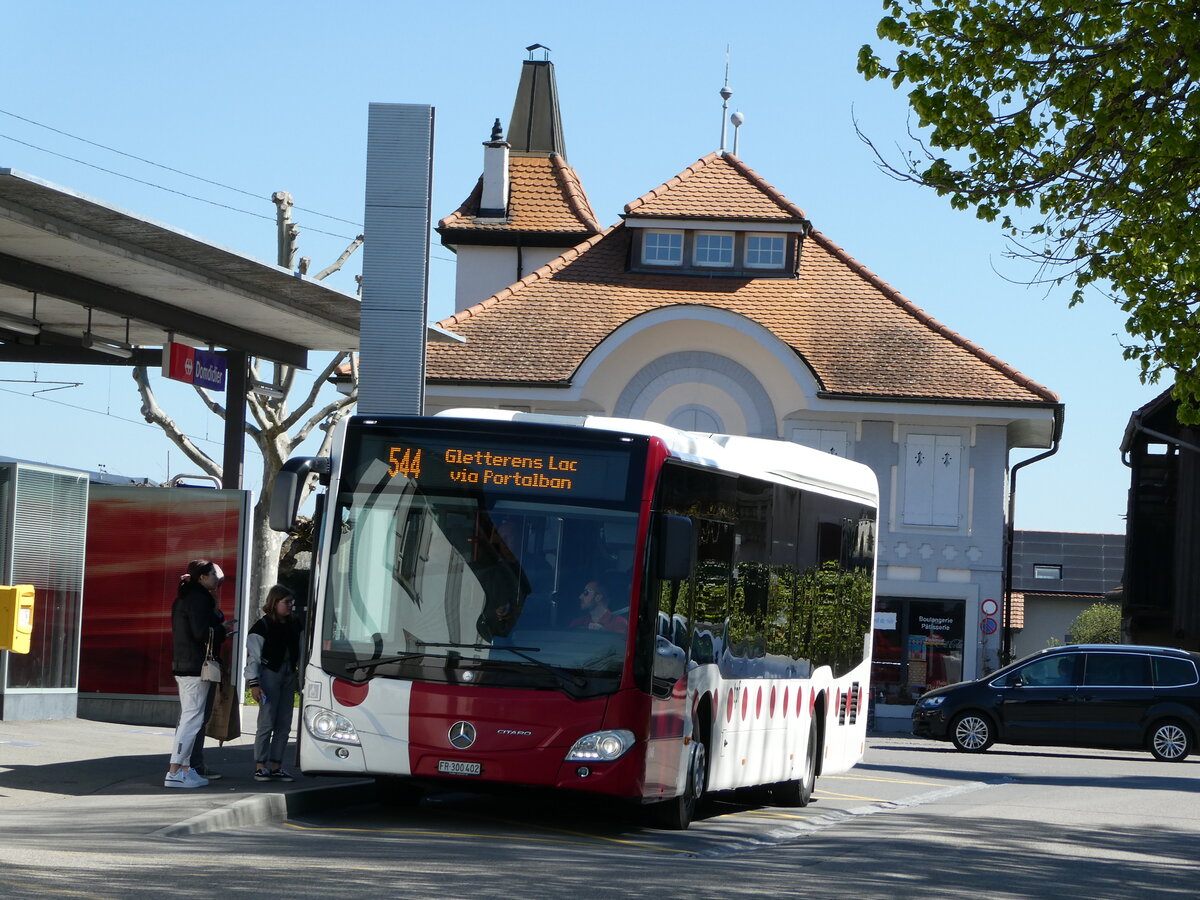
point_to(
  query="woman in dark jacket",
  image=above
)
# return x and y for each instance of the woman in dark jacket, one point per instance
(272, 657)
(196, 619)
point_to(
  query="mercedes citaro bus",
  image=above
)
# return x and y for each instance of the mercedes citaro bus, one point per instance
(588, 604)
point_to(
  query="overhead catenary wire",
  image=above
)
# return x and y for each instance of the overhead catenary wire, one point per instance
(167, 168)
(37, 395)
(245, 212)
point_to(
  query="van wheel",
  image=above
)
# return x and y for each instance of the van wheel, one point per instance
(800, 791)
(972, 732)
(677, 813)
(1170, 741)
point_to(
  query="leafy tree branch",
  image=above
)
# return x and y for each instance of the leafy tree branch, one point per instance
(1075, 128)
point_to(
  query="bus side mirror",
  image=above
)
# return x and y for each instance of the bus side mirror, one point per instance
(676, 548)
(289, 483)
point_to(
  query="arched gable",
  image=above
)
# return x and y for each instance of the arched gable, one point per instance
(672, 360)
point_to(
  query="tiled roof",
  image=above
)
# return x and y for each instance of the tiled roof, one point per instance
(717, 187)
(545, 195)
(859, 336)
(1016, 610)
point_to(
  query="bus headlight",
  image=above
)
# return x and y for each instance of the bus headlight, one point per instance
(601, 746)
(326, 725)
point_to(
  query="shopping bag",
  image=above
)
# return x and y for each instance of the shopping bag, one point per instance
(225, 723)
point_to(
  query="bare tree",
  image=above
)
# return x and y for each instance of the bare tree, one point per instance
(272, 422)
(276, 430)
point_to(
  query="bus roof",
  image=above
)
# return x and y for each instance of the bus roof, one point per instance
(771, 460)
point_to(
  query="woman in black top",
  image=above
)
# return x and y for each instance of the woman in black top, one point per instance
(196, 619)
(272, 657)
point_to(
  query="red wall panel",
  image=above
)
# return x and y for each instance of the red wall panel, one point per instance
(139, 541)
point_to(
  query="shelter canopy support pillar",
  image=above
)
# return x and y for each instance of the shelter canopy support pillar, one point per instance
(236, 381)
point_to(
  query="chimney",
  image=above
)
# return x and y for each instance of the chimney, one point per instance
(493, 201)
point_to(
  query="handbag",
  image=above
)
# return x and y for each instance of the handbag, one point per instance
(210, 669)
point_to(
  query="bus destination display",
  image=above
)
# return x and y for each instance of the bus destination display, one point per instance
(466, 465)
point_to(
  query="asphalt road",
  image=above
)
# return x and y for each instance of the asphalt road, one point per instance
(916, 819)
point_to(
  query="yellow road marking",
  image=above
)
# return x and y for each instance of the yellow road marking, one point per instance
(849, 796)
(461, 834)
(883, 780)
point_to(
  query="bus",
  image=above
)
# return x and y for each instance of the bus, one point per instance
(590, 604)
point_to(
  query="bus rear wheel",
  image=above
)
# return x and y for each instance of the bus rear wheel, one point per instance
(677, 813)
(800, 791)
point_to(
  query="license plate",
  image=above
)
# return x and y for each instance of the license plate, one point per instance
(454, 767)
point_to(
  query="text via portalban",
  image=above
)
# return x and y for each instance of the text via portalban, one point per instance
(486, 468)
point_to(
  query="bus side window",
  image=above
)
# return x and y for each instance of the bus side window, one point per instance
(712, 612)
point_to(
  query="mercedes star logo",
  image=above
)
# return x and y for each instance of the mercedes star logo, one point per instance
(462, 735)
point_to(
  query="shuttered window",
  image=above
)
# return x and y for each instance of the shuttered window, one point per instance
(823, 439)
(932, 466)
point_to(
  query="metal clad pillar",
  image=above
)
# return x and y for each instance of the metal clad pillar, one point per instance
(395, 259)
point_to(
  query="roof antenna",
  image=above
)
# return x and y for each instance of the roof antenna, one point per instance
(726, 93)
(737, 119)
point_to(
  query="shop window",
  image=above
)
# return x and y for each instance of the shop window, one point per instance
(918, 646)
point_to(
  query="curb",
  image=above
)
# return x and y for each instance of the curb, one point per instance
(271, 809)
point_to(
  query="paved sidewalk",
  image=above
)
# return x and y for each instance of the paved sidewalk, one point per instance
(76, 775)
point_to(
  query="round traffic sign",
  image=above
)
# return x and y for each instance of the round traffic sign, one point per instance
(989, 607)
(988, 625)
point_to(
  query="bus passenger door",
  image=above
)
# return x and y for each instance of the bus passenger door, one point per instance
(670, 718)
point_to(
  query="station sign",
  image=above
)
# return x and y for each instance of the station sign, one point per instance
(190, 365)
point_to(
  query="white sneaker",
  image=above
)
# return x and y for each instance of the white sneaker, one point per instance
(186, 778)
(173, 779)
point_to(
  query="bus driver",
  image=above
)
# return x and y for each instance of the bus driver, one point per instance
(595, 614)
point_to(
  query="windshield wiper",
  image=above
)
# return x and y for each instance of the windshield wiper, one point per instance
(523, 653)
(367, 665)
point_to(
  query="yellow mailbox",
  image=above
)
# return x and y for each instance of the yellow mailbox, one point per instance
(16, 617)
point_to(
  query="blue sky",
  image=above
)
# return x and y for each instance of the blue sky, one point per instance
(271, 96)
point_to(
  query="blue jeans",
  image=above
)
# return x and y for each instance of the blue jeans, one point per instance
(274, 715)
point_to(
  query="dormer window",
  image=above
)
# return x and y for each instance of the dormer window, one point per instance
(765, 251)
(713, 249)
(718, 250)
(662, 248)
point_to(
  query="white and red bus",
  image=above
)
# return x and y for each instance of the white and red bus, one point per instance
(589, 604)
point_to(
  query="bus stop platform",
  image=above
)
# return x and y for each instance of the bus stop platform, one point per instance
(72, 776)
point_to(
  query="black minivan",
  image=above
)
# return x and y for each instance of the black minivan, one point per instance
(1080, 695)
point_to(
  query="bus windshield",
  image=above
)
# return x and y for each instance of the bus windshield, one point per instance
(516, 583)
